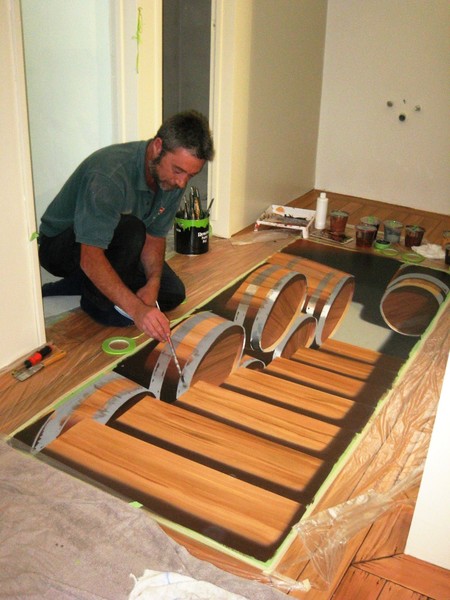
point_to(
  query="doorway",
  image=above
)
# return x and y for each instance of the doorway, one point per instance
(186, 63)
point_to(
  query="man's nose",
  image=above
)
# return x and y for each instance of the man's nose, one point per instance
(182, 180)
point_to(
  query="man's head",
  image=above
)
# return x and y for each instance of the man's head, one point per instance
(181, 147)
(188, 130)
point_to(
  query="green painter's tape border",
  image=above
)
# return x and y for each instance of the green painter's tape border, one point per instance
(206, 541)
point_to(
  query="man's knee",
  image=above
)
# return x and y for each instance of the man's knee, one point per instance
(130, 235)
(124, 251)
(172, 291)
(170, 301)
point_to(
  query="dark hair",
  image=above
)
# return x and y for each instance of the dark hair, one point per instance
(189, 130)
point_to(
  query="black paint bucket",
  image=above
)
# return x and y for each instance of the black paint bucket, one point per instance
(191, 236)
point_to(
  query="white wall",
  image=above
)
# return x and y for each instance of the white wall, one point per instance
(21, 317)
(266, 99)
(68, 55)
(429, 536)
(89, 83)
(380, 50)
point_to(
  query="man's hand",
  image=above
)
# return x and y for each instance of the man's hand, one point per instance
(149, 293)
(152, 321)
(141, 307)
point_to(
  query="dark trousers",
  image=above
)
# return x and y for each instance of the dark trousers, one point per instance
(60, 256)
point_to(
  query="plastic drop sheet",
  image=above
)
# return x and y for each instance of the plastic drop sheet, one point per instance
(64, 538)
(382, 472)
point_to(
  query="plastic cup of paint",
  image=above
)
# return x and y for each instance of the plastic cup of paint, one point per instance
(413, 235)
(371, 221)
(365, 235)
(392, 231)
(338, 221)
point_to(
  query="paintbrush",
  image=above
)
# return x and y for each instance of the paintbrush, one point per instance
(174, 354)
(208, 210)
(175, 359)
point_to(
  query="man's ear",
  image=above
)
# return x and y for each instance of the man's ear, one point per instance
(157, 146)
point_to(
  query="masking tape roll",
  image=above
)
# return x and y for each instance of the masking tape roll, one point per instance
(390, 252)
(118, 345)
(381, 244)
(413, 257)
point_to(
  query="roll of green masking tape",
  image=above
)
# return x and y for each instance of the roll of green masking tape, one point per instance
(381, 244)
(413, 257)
(390, 252)
(118, 345)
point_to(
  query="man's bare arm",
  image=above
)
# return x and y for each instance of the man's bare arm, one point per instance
(99, 270)
(152, 258)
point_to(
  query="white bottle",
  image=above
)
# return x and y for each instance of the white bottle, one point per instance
(321, 211)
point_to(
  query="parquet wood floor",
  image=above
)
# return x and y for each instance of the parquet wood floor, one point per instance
(381, 571)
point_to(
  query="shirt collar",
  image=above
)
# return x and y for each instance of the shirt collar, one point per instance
(142, 184)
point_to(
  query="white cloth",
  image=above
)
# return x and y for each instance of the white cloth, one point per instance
(433, 251)
(159, 585)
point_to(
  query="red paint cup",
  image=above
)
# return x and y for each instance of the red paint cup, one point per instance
(413, 235)
(371, 221)
(365, 235)
(338, 221)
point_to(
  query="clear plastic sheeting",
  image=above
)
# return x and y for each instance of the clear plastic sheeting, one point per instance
(382, 470)
(326, 535)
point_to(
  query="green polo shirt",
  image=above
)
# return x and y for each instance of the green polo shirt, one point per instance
(108, 184)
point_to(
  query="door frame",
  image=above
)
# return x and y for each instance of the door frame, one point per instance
(21, 310)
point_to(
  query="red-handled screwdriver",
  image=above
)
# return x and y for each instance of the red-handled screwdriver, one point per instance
(37, 356)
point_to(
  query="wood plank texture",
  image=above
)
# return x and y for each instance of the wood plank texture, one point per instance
(335, 348)
(359, 584)
(266, 303)
(411, 573)
(338, 364)
(82, 338)
(302, 398)
(392, 591)
(388, 534)
(342, 385)
(209, 501)
(261, 418)
(223, 447)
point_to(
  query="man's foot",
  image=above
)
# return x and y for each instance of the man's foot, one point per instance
(68, 286)
(105, 317)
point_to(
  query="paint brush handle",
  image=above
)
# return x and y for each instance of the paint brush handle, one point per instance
(208, 210)
(172, 351)
(175, 359)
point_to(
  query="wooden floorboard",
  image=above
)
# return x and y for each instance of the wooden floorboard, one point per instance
(388, 535)
(392, 591)
(411, 573)
(359, 584)
(434, 223)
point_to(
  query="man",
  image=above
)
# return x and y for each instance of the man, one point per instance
(105, 231)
